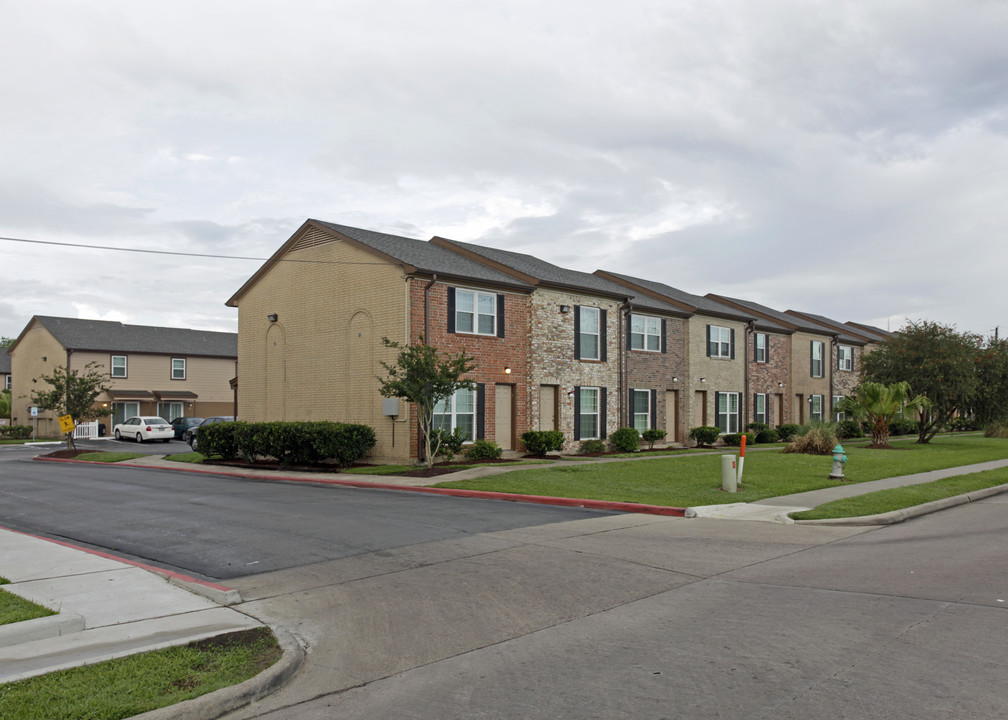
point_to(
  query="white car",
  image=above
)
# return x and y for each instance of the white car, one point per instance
(144, 428)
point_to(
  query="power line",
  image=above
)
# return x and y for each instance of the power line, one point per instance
(178, 253)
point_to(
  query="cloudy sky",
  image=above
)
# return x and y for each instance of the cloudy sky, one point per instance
(843, 158)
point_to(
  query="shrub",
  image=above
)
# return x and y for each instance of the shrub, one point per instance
(757, 427)
(735, 439)
(849, 429)
(787, 431)
(767, 436)
(541, 442)
(902, 427)
(16, 432)
(964, 424)
(593, 446)
(817, 440)
(484, 450)
(704, 435)
(626, 439)
(652, 436)
(218, 439)
(996, 430)
(450, 442)
(290, 443)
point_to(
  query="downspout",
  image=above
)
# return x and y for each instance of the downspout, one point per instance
(750, 329)
(426, 308)
(623, 365)
(834, 347)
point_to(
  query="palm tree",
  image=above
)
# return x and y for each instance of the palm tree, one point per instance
(879, 404)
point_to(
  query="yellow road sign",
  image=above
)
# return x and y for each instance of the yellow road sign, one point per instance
(66, 423)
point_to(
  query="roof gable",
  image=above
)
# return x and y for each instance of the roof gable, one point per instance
(110, 336)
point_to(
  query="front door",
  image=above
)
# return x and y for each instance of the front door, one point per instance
(671, 407)
(547, 407)
(504, 416)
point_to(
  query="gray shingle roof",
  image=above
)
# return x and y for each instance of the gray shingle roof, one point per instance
(425, 257)
(5, 362)
(702, 305)
(550, 275)
(875, 334)
(109, 336)
(766, 318)
(831, 327)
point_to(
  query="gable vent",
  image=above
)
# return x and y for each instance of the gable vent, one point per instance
(313, 238)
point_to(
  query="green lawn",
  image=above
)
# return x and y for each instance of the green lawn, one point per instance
(186, 457)
(696, 480)
(14, 608)
(108, 457)
(898, 498)
(139, 683)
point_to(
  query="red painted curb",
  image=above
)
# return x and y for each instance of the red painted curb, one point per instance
(125, 561)
(481, 494)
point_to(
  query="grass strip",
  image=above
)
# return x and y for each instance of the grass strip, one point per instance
(128, 686)
(108, 457)
(884, 501)
(696, 480)
(188, 457)
(16, 609)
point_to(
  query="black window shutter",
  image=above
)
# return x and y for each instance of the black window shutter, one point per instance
(602, 335)
(629, 324)
(852, 359)
(480, 411)
(451, 311)
(577, 336)
(708, 341)
(654, 409)
(755, 347)
(811, 358)
(602, 412)
(731, 345)
(717, 408)
(577, 412)
(664, 331)
(755, 408)
(500, 316)
(766, 348)
(632, 405)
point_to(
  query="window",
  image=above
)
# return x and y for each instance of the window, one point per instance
(760, 408)
(845, 357)
(170, 410)
(816, 364)
(588, 415)
(727, 411)
(118, 366)
(641, 409)
(458, 411)
(815, 407)
(760, 348)
(589, 333)
(645, 333)
(838, 416)
(720, 342)
(178, 369)
(7, 382)
(475, 312)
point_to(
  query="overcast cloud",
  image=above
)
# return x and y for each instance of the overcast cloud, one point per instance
(843, 158)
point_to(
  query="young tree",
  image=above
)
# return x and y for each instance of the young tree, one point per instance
(937, 362)
(879, 404)
(425, 377)
(72, 393)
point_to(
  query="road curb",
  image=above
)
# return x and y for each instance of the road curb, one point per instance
(897, 516)
(41, 628)
(214, 705)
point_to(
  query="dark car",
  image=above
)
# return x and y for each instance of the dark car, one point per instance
(191, 433)
(181, 424)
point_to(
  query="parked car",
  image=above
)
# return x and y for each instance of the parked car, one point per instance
(181, 424)
(144, 428)
(191, 433)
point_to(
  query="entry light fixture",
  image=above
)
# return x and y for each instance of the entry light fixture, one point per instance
(43, 358)
(272, 317)
(780, 384)
(565, 308)
(703, 379)
(507, 370)
(675, 379)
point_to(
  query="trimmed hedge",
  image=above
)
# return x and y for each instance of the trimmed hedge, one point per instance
(16, 432)
(290, 443)
(626, 439)
(484, 450)
(652, 436)
(704, 435)
(787, 431)
(735, 439)
(541, 442)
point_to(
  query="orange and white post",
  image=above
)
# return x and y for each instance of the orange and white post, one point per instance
(741, 460)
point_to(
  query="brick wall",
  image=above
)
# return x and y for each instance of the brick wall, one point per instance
(770, 377)
(656, 371)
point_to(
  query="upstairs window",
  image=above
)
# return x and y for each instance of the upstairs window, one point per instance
(816, 364)
(589, 333)
(720, 342)
(475, 312)
(645, 333)
(178, 369)
(118, 366)
(760, 347)
(845, 357)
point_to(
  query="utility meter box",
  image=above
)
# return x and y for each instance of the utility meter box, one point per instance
(390, 406)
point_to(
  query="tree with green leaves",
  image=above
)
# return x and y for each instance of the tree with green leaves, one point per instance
(879, 405)
(6, 343)
(425, 377)
(6, 404)
(72, 393)
(937, 361)
(990, 405)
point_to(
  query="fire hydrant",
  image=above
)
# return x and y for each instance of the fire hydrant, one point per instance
(839, 458)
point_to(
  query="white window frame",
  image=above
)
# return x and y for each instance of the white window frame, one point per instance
(730, 414)
(584, 312)
(641, 418)
(125, 366)
(447, 412)
(845, 357)
(184, 368)
(756, 409)
(815, 407)
(475, 316)
(838, 416)
(645, 332)
(817, 371)
(595, 395)
(719, 341)
(8, 382)
(758, 351)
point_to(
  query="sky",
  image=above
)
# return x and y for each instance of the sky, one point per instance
(848, 159)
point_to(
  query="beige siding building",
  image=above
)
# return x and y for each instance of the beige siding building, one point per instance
(171, 372)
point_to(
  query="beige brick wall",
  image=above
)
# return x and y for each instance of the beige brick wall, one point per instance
(27, 365)
(321, 359)
(721, 375)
